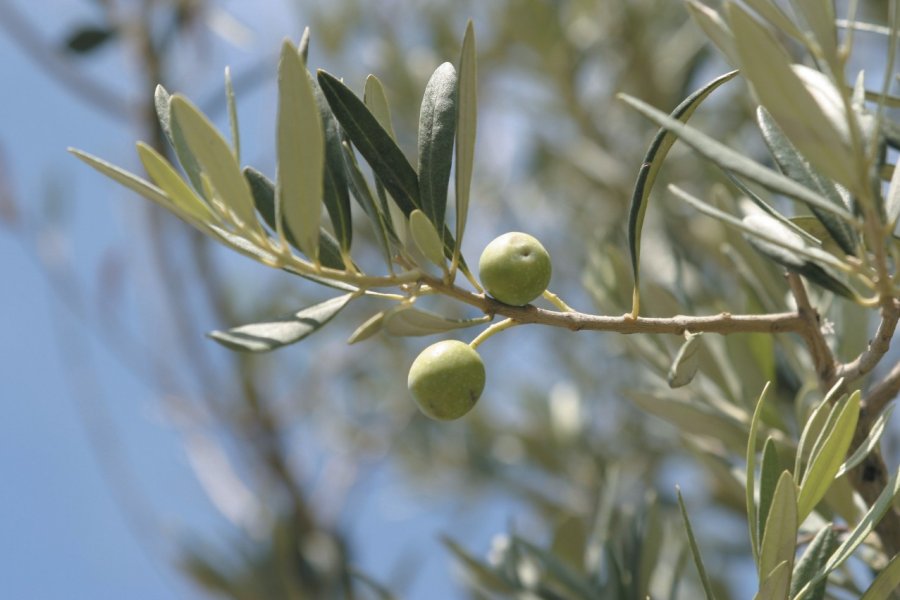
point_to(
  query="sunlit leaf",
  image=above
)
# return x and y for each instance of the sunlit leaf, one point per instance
(788, 97)
(232, 115)
(825, 463)
(370, 327)
(710, 21)
(768, 479)
(426, 237)
(466, 126)
(409, 321)
(887, 582)
(686, 362)
(270, 335)
(869, 444)
(779, 541)
(750, 480)
(776, 585)
(300, 149)
(168, 179)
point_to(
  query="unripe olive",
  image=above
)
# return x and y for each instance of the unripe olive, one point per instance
(515, 268)
(447, 379)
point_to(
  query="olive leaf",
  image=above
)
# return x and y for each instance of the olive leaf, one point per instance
(653, 160)
(336, 195)
(869, 444)
(374, 143)
(426, 237)
(750, 478)
(466, 126)
(686, 362)
(819, 131)
(827, 457)
(887, 582)
(270, 335)
(263, 190)
(695, 550)
(162, 102)
(232, 115)
(359, 188)
(409, 321)
(88, 38)
(795, 166)
(300, 152)
(167, 178)
(776, 584)
(768, 480)
(818, 551)
(370, 327)
(437, 131)
(779, 540)
(710, 21)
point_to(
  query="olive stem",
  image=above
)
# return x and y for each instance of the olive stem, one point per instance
(557, 301)
(492, 330)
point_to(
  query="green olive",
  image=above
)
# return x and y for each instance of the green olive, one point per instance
(515, 268)
(447, 379)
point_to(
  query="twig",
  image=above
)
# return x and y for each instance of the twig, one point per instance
(882, 392)
(820, 352)
(878, 345)
(723, 323)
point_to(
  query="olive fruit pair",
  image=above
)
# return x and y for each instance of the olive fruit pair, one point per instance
(447, 378)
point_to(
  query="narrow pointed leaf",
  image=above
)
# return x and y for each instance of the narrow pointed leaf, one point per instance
(123, 177)
(232, 115)
(336, 193)
(695, 550)
(691, 418)
(819, 17)
(384, 233)
(437, 130)
(812, 561)
(826, 463)
(870, 443)
(777, 584)
(167, 178)
(409, 321)
(768, 479)
(301, 157)
(263, 190)
(795, 166)
(653, 160)
(856, 537)
(270, 335)
(750, 480)
(373, 142)
(710, 21)
(370, 327)
(768, 67)
(731, 160)
(162, 102)
(776, 17)
(466, 126)
(779, 541)
(215, 159)
(376, 101)
(813, 427)
(887, 582)
(686, 362)
(426, 237)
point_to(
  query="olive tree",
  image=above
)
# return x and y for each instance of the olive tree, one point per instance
(772, 387)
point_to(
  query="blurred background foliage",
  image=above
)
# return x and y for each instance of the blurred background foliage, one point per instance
(287, 445)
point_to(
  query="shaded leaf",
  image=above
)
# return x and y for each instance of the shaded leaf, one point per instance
(768, 480)
(750, 480)
(690, 418)
(710, 21)
(437, 131)
(270, 335)
(263, 190)
(162, 102)
(88, 38)
(483, 575)
(373, 142)
(336, 194)
(653, 160)
(301, 157)
(795, 166)
(370, 327)
(812, 561)
(381, 223)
